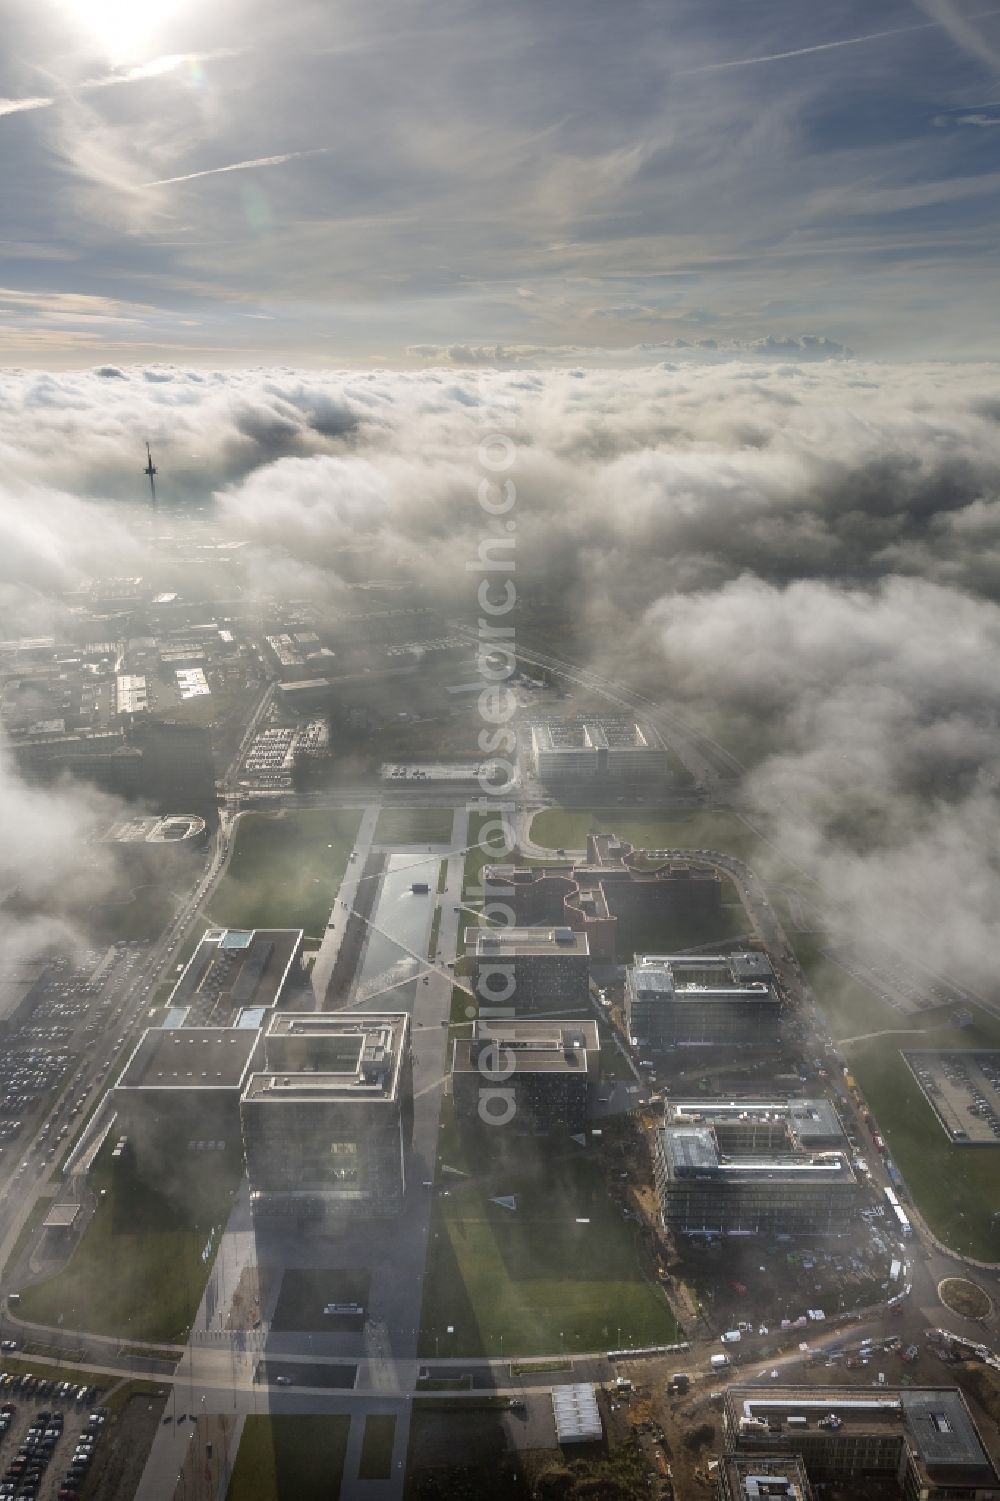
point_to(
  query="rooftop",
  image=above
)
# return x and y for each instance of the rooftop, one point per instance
(694, 1152)
(533, 1047)
(329, 1056)
(577, 1415)
(190, 1058)
(436, 771)
(593, 732)
(700, 977)
(513, 942)
(810, 1120)
(766, 1477)
(233, 968)
(937, 1420)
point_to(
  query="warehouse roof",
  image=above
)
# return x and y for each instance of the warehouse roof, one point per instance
(577, 1415)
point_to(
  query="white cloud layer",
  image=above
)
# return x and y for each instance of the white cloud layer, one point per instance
(806, 553)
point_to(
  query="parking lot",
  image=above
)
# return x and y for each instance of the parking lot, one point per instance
(963, 1089)
(50, 1062)
(49, 1437)
(900, 985)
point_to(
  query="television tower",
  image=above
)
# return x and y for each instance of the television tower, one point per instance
(150, 470)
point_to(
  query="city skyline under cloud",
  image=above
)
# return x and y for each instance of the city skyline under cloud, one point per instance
(367, 183)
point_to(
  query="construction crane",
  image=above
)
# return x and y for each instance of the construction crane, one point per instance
(150, 471)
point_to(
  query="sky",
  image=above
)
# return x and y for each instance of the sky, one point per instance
(374, 183)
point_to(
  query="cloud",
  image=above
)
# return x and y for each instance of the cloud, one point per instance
(802, 554)
(883, 765)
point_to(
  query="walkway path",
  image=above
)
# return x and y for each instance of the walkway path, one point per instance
(333, 937)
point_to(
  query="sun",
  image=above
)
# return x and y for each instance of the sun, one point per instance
(127, 31)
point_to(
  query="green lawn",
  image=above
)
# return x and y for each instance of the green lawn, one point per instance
(567, 828)
(286, 869)
(290, 1458)
(486, 847)
(531, 1281)
(376, 1446)
(957, 1189)
(138, 1271)
(414, 826)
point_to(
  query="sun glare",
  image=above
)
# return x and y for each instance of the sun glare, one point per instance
(126, 30)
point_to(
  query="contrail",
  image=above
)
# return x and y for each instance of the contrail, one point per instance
(15, 106)
(851, 41)
(258, 161)
(157, 67)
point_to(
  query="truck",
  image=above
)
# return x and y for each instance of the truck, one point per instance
(719, 1362)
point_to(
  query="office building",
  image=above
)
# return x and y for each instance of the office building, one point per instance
(327, 1119)
(922, 1441)
(677, 1001)
(614, 897)
(716, 1175)
(743, 1126)
(612, 748)
(179, 1094)
(548, 1072)
(529, 970)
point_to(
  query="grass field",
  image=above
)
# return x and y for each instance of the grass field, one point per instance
(414, 826)
(286, 869)
(138, 1271)
(567, 828)
(956, 1189)
(376, 1446)
(532, 1281)
(290, 1458)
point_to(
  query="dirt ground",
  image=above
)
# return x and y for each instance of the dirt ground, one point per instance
(250, 1296)
(121, 1454)
(691, 1425)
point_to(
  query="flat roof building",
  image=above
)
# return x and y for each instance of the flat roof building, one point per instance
(763, 1477)
(719, 1176)
(576, 1413)
(810, 1124)
(131, 694)
(704, 1000)
(923, 1437)
(529, 970)
(181, 1089)
(614, 747)
(613, 896)
(234, 968)
(327, 1120)
(536, 1075)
